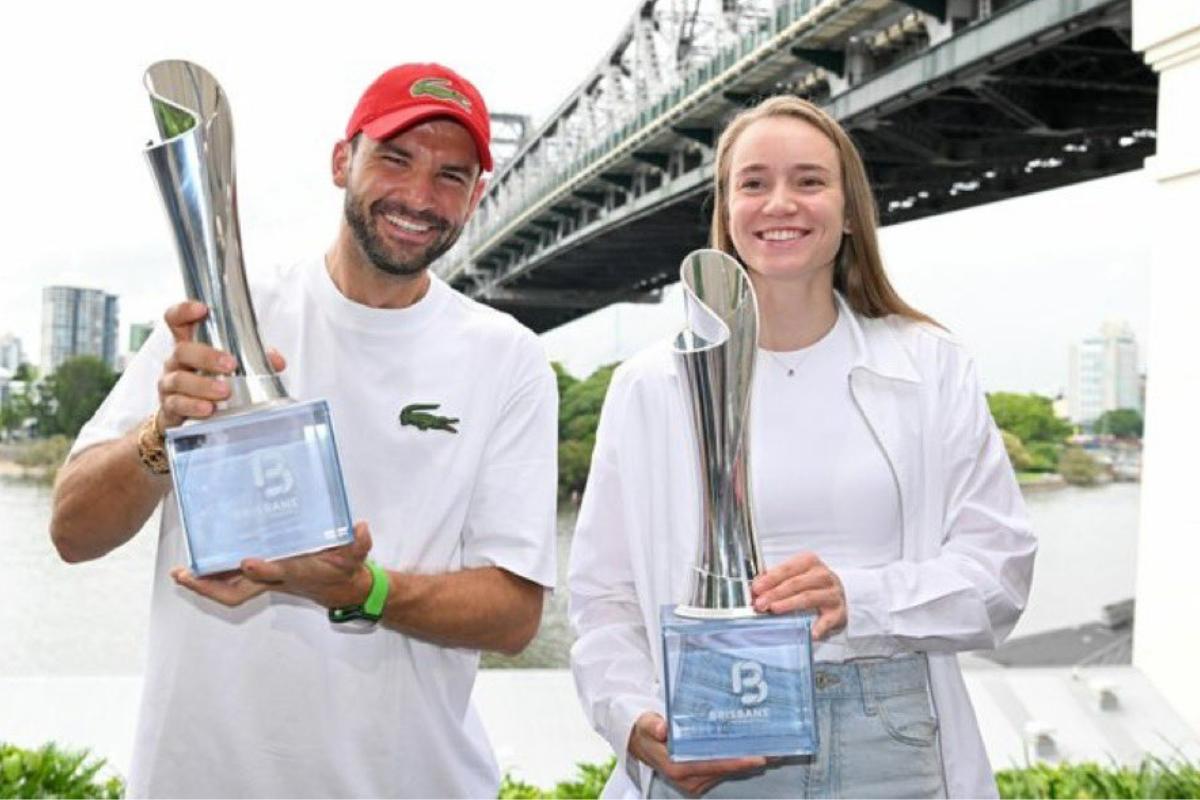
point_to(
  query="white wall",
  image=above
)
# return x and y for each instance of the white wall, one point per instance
(1167, 635)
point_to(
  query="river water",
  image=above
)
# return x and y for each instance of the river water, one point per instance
(91, 619)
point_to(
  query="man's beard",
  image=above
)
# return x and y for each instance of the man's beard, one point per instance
(376, 249)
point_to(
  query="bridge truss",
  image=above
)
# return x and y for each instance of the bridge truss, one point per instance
(953, 103)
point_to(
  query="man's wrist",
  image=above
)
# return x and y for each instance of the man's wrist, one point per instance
(354, 592)
(151, 445)
(363, 603)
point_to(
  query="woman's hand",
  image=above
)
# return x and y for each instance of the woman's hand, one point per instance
(648, 744)
(803, 582)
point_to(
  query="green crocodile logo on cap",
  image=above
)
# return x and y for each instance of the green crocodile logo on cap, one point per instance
(441, 89)
(418, 416)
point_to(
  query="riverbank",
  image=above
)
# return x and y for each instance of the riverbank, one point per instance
(1031, 482)
(36, 460)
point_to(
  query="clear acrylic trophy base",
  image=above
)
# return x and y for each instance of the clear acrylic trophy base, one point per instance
(738, 687)
(262, 484)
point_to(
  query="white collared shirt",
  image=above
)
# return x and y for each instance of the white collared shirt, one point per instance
(967, 550)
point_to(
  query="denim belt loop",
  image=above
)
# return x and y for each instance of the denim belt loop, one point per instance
(866, 687)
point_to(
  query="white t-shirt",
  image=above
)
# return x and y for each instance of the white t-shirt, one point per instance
(270, 698)
(813, 462)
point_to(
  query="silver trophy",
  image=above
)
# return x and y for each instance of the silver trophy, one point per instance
(261, 477)
(737, 682)
(716, 353)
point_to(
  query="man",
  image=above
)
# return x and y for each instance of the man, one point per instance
(250, 689)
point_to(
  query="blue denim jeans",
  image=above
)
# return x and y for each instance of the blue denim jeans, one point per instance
(878, 738)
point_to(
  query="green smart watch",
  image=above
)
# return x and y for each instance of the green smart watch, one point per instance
(368, 613)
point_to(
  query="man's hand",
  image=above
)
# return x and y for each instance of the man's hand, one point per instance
(648, 744)
(183, 392)
(227, 588)
(803, 582)
(332, 578)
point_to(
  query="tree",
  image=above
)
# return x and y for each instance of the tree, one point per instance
(1078, 468)
(1030, 416)
(69, 397)
(1123, 422)
(1045, 456)
(565, 379)
(25, 372)
(1018, 456)
(15, 409)
(578, 415)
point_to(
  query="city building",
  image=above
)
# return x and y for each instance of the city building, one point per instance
(1104, 373)
(139, 332)
(78, 322)
(11, 353)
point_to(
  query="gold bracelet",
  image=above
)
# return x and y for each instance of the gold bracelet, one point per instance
(151, 449)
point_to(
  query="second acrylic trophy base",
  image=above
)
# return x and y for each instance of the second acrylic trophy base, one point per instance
(738, 687)
(263, 484)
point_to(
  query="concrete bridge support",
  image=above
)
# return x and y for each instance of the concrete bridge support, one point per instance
(1167, 635)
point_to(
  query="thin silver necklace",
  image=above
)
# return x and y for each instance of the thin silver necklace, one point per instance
(790, 367)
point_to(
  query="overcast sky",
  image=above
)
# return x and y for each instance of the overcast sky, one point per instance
(1018, 281)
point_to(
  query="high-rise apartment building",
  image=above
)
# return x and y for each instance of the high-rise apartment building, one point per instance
(1104, 373)
(78, 322)
(11, 352)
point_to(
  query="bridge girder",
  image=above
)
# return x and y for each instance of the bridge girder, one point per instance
(948, 112)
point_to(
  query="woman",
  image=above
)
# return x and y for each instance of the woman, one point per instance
(883, 497)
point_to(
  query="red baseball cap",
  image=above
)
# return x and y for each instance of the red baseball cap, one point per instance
(412, 93)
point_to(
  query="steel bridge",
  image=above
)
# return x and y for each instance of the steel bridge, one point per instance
(953, 103)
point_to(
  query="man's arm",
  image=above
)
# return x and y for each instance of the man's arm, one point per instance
(482, 608)
(103, 496)
(486, 608)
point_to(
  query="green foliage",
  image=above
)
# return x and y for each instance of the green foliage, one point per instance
(590, 780)
(69, 397)
(565, 379)
(578, 415)
(1124, 422)
(1078, 468)
(15, 409)
(51, 772)
(574, 461)
(25, 372)
(1045, 456)
(513, 789)
(1153, 778)
(1018, 456)
(1029, 416)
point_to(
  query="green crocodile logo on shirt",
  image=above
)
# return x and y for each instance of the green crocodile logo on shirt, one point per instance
(441, 89)
(419, 417)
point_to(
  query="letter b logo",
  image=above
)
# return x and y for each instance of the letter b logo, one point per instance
(271, 474)
(748, 682)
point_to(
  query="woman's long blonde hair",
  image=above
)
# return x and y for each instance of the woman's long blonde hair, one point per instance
(858, 271)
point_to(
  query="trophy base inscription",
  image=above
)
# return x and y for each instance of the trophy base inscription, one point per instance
(738, 687)
(263, 484)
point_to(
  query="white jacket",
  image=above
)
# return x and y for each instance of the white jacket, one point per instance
(967, 546)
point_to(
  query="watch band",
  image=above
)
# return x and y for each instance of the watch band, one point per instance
(371, 609)
(151, 443)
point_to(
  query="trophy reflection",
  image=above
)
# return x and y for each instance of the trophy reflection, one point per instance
(261, 477)
(737, 683)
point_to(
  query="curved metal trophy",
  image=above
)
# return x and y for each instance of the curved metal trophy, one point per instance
(737, 683)
(260, 478)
